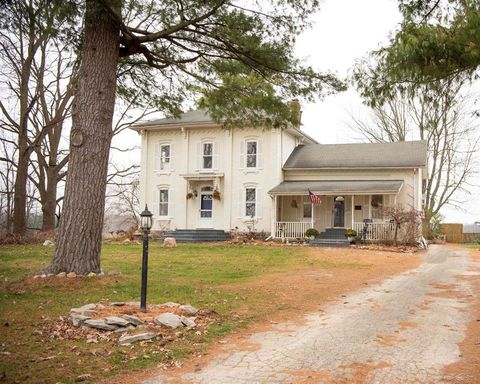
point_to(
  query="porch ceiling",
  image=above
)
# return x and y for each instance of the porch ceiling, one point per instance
(331, 187)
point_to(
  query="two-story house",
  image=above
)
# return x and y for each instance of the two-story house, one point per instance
(196, 174)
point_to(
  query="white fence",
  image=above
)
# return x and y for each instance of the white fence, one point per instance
(375, 231)
(291, 229)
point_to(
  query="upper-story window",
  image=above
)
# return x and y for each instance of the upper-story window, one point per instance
(207, 155)
(251, 156)
(164, 157)
(252, 151)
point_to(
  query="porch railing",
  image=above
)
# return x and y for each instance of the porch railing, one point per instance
(375, 231)
(291, 229)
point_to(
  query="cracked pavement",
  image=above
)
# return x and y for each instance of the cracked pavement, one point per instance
(403, 330)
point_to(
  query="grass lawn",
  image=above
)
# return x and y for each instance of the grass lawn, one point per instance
(472, 245)
(187, 274)
(215, 277)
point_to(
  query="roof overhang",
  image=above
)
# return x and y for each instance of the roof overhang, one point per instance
(202, 176)
(335, 187)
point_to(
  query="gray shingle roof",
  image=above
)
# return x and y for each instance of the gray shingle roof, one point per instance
(337, 186)
(359, 155)
(190, 117)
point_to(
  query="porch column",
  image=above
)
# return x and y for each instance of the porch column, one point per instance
(313, 210)
(353, 210)
(274, 216)
(370, 206)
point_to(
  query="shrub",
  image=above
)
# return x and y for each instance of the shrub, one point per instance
(350, 233)
(311, 232)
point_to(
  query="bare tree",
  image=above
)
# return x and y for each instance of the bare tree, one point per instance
(34, 104)
(123, 202)
(437, 113)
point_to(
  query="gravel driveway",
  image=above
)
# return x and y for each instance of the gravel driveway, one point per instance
(404, 330)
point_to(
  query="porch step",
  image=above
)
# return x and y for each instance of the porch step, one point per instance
(337, 243)
(332, 233)
(197, 235)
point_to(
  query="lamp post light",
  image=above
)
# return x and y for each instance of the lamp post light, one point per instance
(145, 226)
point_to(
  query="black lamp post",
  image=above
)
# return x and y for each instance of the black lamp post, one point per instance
(145, 226)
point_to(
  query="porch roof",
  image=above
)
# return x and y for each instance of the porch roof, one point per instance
(331, 187)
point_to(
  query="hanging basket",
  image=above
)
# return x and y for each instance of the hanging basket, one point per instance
(190, 195)
(216, 195)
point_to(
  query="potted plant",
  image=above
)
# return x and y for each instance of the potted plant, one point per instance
(350, 234)
(216, 194)
(311, 233)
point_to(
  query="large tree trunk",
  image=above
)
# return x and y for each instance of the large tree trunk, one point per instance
(80, 232)
(20, 189)
(49, 201)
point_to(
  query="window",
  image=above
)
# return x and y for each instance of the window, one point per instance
(252, 147)
(207, 156)
(307, 210)
(163, 202)
(377, 206)
(164, 156)
(250, 202)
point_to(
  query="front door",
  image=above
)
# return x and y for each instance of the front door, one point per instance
(339, 212)
(206, 208)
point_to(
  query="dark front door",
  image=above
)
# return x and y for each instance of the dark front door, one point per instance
(338, 213)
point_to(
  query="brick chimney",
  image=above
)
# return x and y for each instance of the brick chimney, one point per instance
(297, 111)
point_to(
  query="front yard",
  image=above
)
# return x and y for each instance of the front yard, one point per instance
(241, 285)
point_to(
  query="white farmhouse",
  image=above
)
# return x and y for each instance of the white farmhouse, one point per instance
(198, 175)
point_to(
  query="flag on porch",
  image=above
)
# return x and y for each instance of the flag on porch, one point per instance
(315, 199)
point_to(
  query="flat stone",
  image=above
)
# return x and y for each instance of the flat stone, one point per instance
(189, 309)
(188, 321)
(83, 308)
(133, 319)
(99, 324)
(118, 303)
(48, 243)
(71, 274)
(62, 274)
(128, 339)
(92, 274)
(78, 320)
(121, 330)
(170, 304)
(169, 320)
(115, 320)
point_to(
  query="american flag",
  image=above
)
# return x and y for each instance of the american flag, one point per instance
(315, 199)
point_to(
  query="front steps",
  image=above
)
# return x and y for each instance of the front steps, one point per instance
(197, 235)
(332, 237)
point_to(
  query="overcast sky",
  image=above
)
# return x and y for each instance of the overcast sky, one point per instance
(344, 31)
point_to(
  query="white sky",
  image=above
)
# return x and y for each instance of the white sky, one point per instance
(344, 31)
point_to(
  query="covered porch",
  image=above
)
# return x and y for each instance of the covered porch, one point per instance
(357, 205)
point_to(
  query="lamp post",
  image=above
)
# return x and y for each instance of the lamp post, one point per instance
(145, 226)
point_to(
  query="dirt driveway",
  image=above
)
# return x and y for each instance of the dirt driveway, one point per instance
(406, 329)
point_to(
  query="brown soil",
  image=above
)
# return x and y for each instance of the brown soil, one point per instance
(360, 373)
(467, 369)
(294, 294)
(389, 340)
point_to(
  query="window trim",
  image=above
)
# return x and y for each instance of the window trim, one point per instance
(161, 188)
(251, 140)
(212, 156)
(167, 164)
(254, 202)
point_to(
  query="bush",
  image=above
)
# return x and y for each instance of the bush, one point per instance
(350, 233)
(311, 232)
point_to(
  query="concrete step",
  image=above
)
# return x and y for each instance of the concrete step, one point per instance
(330, 242)
(197, 235)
